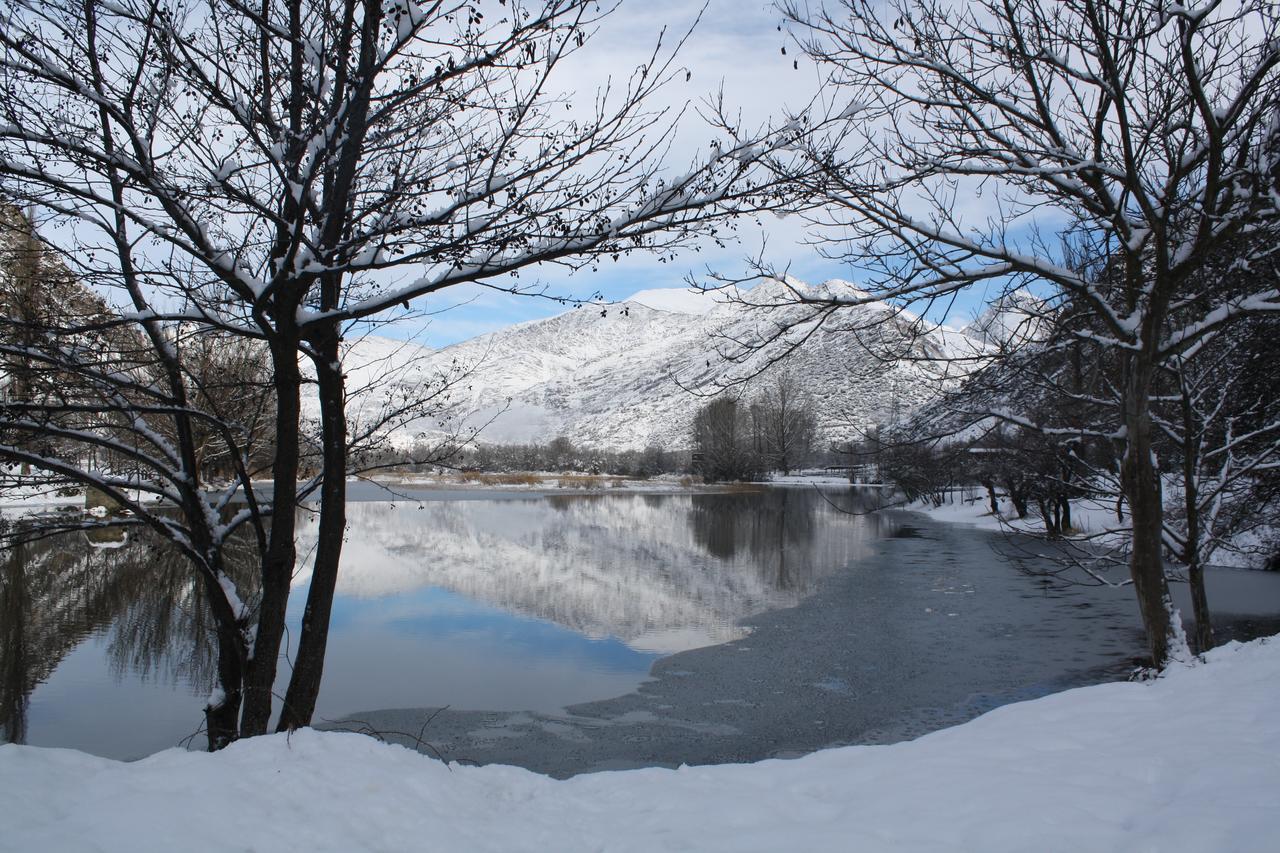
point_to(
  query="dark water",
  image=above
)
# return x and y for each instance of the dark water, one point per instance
(571, 633)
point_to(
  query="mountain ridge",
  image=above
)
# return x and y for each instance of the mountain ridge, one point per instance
(627, 375)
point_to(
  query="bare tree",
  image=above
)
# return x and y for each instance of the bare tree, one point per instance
(725, 443)
(784, 423)
(106, 406)
(1041, 424)
(1148, 129)
(284, 170)
(1224, 436)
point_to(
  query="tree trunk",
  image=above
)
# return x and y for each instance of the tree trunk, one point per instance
(1200, 608)
(1046, 514)
(991, 497)
(1191, 507)
(308, 665)
(278, 565)
(1019, 500)
(1141, 484)
(222, 713)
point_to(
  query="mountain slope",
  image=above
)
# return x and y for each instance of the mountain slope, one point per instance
(631, 374)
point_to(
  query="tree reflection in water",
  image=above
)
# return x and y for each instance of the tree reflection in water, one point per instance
(660, 573)
(58, 591)
(774, 528)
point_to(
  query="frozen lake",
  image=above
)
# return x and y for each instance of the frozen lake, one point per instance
(578, 632)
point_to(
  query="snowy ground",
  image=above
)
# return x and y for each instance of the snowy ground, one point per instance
(1089, 519)
(1092, 520)
(15, 498)
(810, 478)
(1190, 762)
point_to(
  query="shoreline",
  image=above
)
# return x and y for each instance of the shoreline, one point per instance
(796, 684)
(1097, 768)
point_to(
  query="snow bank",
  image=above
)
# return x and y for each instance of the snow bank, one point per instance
(1092, 519)
(971, 509)
(1190, 762)
(809, 479)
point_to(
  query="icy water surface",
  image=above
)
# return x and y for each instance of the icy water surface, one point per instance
(569, 633)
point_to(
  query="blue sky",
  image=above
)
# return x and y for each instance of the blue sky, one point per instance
(464, 312)
(737, 47)
(760, 88)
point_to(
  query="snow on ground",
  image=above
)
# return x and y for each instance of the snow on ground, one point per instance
(42, 496)
(1090, 519)
(970, 508)
(809, 478)
(540, 481)
(1189, 762)
(27, 501)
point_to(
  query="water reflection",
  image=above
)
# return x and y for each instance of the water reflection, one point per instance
(132, 592)
(661, 574)
(635, 575)
(518, 603)
(775, 529)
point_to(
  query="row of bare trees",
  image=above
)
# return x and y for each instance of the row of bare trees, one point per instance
(736, 440)
(561, 454)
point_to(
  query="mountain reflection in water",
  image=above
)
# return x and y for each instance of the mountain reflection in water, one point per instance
(661, 573)
(652, 574)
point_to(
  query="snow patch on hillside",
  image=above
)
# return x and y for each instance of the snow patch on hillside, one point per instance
(676, 300)
(1016, 319)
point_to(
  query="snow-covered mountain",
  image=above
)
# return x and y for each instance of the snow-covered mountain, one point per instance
(1016, 319)
(629, 374)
